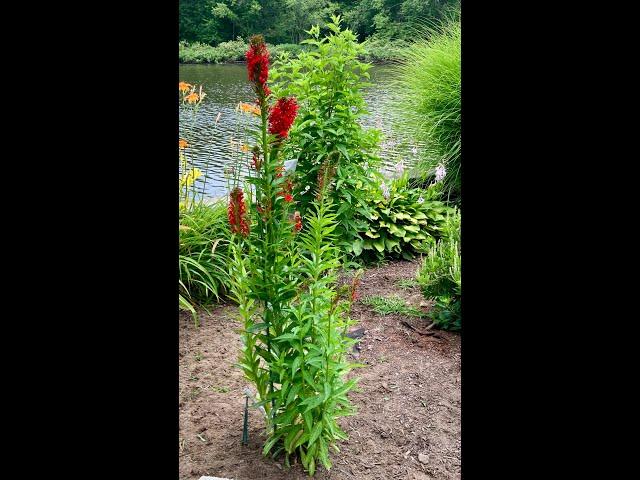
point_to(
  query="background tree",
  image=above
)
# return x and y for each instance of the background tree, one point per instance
(285, 21)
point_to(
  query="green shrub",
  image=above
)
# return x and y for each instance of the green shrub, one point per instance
(327, 139)
(196, 52)
(231, 51)
(383, 50)
(290, 49)
(429, 91)
(404, 221)
(440, 275)
(203, 258)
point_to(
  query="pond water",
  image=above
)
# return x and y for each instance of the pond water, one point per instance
(216, 132)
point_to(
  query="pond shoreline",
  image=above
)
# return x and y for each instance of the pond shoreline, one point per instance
(389, 61)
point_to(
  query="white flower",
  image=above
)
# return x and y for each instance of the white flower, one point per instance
(421, 200)
(385, 190)
(399, 168)
(414, 150)
(440, 172)
(307, 188)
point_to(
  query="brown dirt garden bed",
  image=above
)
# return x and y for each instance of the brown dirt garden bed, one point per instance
(408, 401)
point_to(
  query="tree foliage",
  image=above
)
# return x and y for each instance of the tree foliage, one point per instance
(285, 21)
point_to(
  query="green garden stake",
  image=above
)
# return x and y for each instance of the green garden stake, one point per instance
(245, 427)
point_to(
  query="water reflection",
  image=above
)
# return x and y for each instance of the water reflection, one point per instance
(218, 135)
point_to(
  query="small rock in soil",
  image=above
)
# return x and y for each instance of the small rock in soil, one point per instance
(423, 458)
(358, 333)
(420, 476)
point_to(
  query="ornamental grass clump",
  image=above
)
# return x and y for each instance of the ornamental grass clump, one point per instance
(429, 89)
(283, 278)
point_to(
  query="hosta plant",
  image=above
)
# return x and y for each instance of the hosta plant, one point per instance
(404, 221)
(283, 279)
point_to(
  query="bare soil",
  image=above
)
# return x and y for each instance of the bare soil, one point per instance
(408, 420)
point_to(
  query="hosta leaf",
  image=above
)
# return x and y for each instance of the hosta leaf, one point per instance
(390, 243)
(357, 247)
(379, 245)
(396, 231)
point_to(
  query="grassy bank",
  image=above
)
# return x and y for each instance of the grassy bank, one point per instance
(232, 51)
(375, 50)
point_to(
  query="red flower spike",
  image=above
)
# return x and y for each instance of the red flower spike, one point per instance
(237, 212)
(288, 197)
(282, 116)
(257, 60)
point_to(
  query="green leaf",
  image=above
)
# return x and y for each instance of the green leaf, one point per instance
(292, 393)
(390, 243)
(295, 365)
(379, 245)
(286, 336)
(315, 433)
(396, 231)
(303, 438)
(312, 402)
(357, 247)
(257, 327)
(291, 437)
(308, 420)
(270, 443)
(343, 149)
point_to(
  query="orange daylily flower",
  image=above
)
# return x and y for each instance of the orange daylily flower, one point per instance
(184, 86)
(245, 148)
(249, 108)
(183, 144)
(192, 97)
